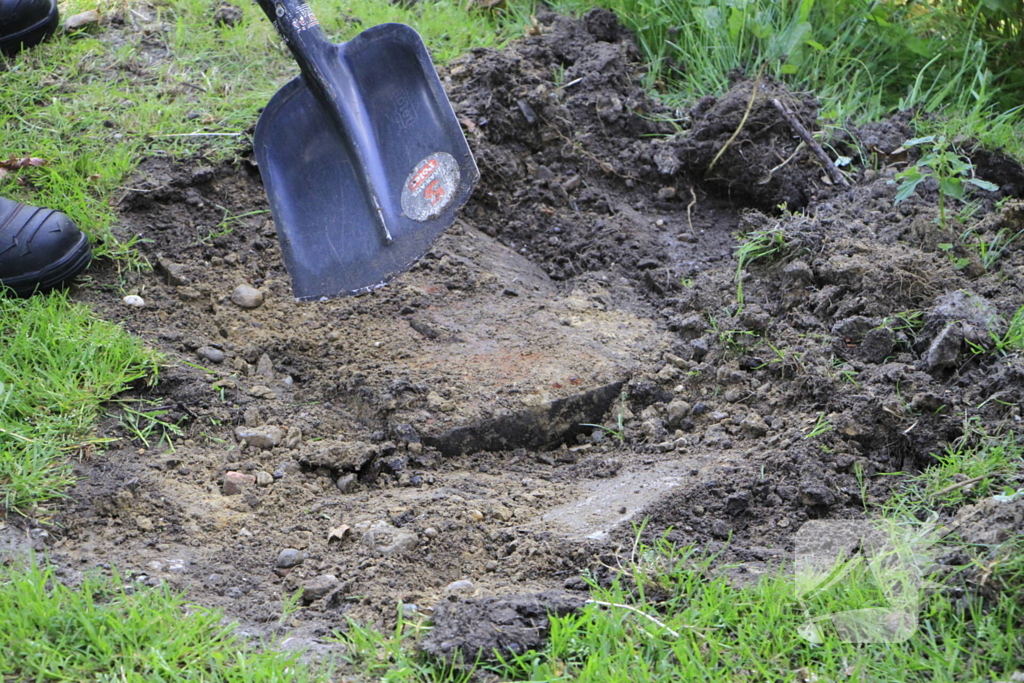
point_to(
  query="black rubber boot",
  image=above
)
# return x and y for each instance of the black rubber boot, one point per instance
(24, 23)
(39, 248)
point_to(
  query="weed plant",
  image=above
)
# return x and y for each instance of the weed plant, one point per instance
(947, 165)
(970, 468)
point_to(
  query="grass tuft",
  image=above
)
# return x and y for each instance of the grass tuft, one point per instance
(58, 363)
(104, 632)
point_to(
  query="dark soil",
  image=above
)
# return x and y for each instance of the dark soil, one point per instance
(441, 429)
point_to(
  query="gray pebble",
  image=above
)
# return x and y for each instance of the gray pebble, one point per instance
(211, 354)
(347, 482)
(289, 557)
(461, 587)
(263, 437)
(246, 296)
(264, 479)
(318, 587)
(389, 540)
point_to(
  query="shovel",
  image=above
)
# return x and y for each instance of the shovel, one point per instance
(362, 158)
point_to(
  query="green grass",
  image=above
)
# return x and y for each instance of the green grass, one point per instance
(103, 632)
(761, 245)
(862, 59)
(970, 468)
(58, 363)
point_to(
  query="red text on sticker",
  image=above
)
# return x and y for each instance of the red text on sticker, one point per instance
(422, 174)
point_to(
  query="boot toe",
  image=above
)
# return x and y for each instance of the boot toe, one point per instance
(39, 248)
(24, 23)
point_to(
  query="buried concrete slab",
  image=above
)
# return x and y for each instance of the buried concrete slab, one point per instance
(492, 382)
(602, 505)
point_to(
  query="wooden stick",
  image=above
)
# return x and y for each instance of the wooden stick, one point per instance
(834, 173)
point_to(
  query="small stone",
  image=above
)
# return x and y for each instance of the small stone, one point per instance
(211, 354)
(754, 425)
(134, 300)
(293, 438)
(389, 540)
(945, 348)
(318, 587)
(265, 367)
(263, 437)
(476, 515)
(799, 270)
(236, 482)
(260, 391)
(675, 412)
(699, 349)
(491, 566)
(144, 523)
(77, 21)
(177, 566)
(430, 532)
(288, 558)
(460, 587)
(264, 479)
(246, 296)
(409, 609)
(437, 403)
(174, 273)
(347, 482)
(877, 345)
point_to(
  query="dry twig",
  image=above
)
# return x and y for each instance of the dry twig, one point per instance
(833, 172)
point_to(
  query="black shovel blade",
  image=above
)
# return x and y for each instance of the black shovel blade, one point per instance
(361, 184)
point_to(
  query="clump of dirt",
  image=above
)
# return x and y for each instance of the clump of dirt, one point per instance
(470, 629)
(569, 359)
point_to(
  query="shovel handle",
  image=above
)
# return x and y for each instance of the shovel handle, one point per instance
(300, 29)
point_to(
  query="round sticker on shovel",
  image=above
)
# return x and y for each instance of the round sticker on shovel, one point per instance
(430, 187)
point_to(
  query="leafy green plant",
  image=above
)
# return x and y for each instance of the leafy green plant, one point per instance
(946, 164)
(975, 465)
(958, 262)
(226, 225)
(733, 339)
(144, 425)
(64, 362)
